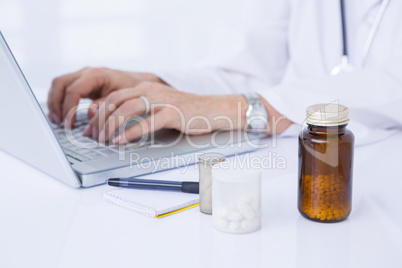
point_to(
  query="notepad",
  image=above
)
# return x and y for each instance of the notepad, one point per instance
(154, 204)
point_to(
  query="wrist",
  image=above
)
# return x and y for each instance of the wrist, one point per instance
(236, 106)
(256, 115)
(230, 112)
(277, 123)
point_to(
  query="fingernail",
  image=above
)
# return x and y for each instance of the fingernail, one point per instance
(94, 110)
(66, 125)
(87, 130)
(117, 139)
(50, 117)
(56, 118)
(94, 133)
(53, 117)
(102, 136)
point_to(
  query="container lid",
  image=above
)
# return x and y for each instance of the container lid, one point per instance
(211, 158)
(327, 114)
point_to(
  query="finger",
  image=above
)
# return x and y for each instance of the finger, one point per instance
(94, 107)
(113, 101)
(93, 110)
(87, 130)
(118, 97)
(150, 124)
(122, 114)
(69, 110)
(80, 88)
(56, 95)
(143, 89)
(106, 108)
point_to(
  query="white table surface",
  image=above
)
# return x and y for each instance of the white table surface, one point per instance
(46, 224)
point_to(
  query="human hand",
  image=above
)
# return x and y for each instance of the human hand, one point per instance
(189, 113)
(93, 83)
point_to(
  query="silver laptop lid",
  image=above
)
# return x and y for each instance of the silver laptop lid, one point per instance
(25, 132)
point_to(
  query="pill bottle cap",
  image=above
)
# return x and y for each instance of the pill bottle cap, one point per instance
(211, 158)
(329, 114)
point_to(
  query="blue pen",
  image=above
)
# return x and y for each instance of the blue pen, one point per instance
(133, 183)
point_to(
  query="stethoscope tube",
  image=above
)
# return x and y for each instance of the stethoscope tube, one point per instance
(344, 30)
(345, 65)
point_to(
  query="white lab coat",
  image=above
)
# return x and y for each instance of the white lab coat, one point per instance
(303, 38)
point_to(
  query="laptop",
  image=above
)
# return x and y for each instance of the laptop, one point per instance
(79, 161)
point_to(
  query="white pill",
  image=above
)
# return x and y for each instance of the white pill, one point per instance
(246, 210)
(234, 225)
(250, 224)
(235, 215)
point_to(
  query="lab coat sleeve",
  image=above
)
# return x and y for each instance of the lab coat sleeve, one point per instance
(251, 54)
(373, 94)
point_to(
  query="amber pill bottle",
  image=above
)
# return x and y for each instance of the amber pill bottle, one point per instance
(325, 164)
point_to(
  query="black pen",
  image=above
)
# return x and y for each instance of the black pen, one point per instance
(133, 183)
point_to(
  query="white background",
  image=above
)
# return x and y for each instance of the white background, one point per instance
(46, 224)
(52, 37)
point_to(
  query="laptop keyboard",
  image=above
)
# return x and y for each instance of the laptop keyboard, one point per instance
(83, 148)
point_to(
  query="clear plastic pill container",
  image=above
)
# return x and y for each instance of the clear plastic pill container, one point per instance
(207, 160)
(236, 196)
